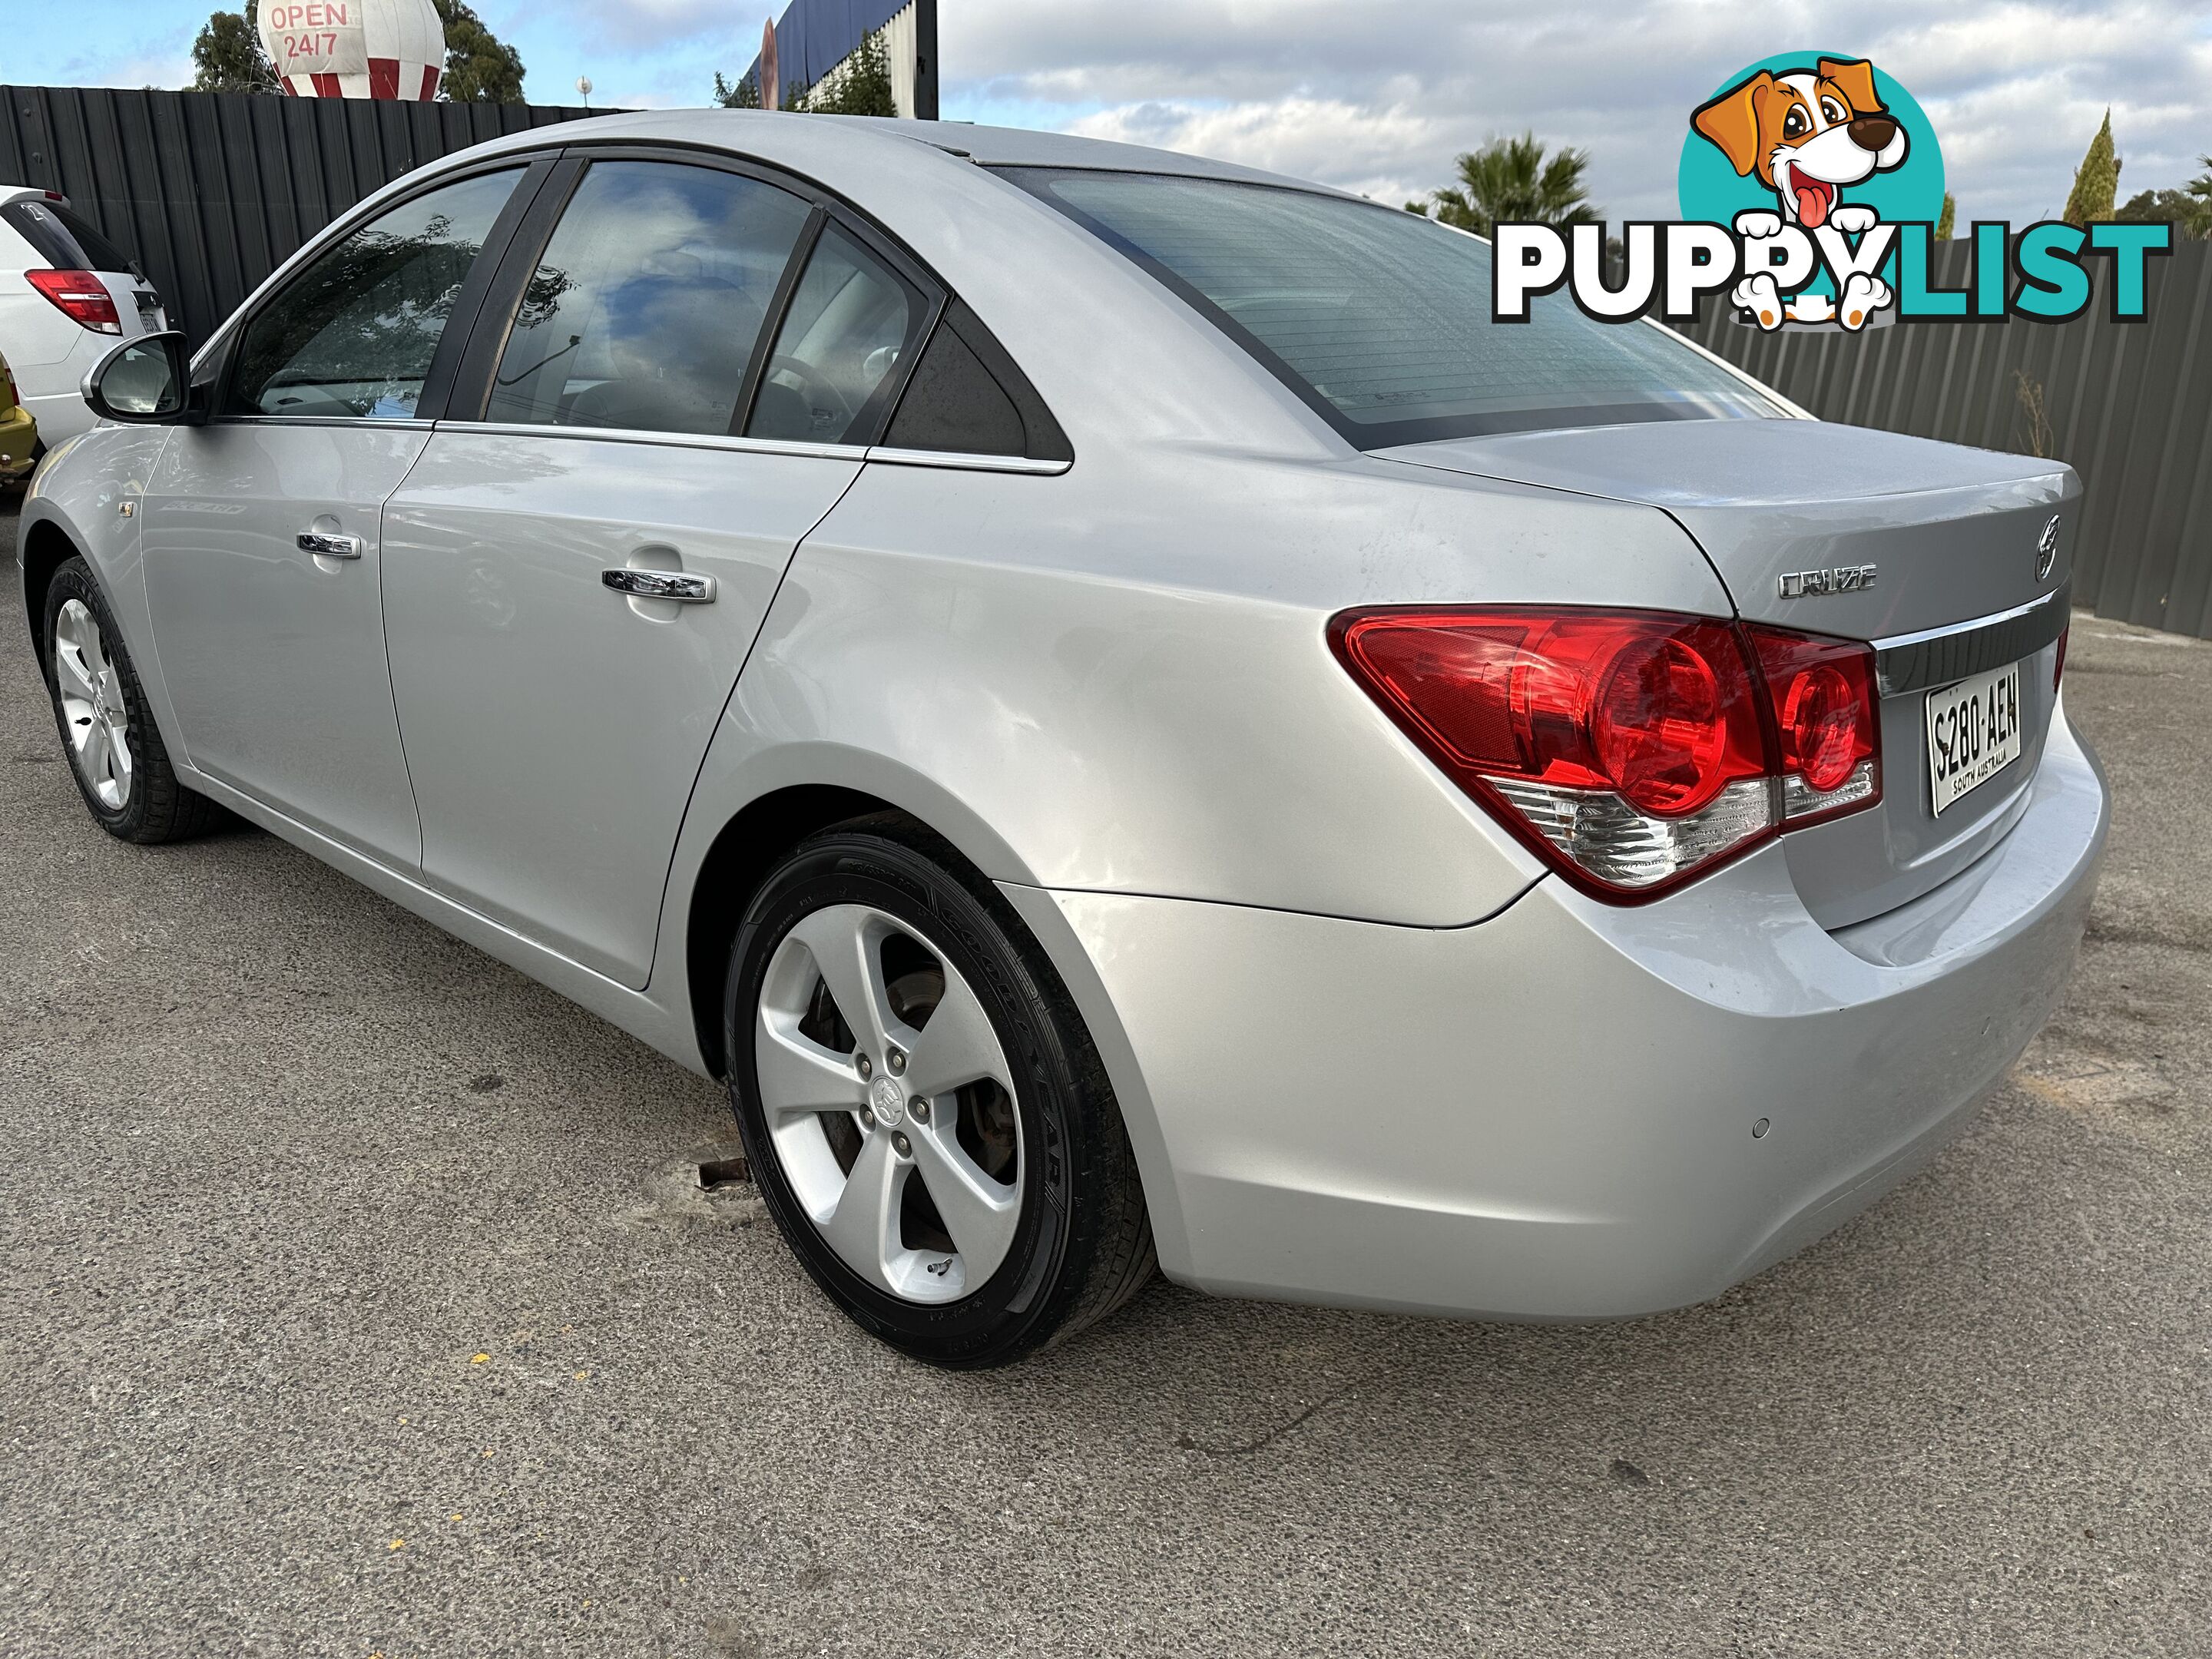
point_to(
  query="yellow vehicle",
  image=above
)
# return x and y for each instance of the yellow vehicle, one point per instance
(19, 432)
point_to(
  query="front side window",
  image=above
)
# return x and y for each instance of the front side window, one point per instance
(353, 336)
(647, 303)
(850, 324)
(1380, 319)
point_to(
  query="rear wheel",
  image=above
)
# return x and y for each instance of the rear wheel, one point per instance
(925, 1116)
(116, 753)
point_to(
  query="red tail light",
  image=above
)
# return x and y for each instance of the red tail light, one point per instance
(2058, 668)
(1827, 721)
(81, 295)
(1632, 749)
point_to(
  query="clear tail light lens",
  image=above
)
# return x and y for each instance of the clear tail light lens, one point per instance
(80, 296)
(1632, 749)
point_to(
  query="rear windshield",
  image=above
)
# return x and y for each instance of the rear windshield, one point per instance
(1380, 319)
(62, 238)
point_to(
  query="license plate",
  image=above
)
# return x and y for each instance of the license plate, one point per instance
(1973, 734)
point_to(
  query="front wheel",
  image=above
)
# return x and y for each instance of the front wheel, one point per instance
(115, 751)
(925, 1116)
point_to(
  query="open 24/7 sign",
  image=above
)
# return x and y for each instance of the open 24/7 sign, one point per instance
(355, 48)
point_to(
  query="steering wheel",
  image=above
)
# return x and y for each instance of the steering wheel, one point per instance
(819, 393)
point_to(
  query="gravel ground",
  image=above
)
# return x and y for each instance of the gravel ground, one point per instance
(357, 1297)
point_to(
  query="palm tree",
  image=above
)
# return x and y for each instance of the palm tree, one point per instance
(1510, 181)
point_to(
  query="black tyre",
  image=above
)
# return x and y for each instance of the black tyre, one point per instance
(115, 751)
(925, 1114)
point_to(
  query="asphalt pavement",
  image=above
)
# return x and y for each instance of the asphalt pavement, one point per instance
(358, 1296)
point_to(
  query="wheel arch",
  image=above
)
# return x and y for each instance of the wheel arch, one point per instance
(45, 548)
(752, 839)
(737, 860)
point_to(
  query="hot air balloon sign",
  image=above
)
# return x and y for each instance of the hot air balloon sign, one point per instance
(355, 48)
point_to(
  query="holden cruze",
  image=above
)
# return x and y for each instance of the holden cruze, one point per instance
(1123, 716)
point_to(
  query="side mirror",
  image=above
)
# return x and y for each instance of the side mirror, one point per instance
(143, 382)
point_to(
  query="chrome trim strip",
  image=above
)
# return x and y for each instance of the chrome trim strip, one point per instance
(377, 422)
(853, 453)
(1943, 656)
(963, 461)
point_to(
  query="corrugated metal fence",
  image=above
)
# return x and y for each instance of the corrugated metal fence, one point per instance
(214, 190)
(2129, 404)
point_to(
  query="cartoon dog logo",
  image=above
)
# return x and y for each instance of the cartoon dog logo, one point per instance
(1806, 134)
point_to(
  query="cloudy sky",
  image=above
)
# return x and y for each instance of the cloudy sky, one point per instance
(1376, 95)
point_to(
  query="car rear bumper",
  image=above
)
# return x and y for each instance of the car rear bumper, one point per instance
(1556, 1114)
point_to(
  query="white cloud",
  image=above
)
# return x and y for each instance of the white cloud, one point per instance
(1361, 149)
(1380, 98)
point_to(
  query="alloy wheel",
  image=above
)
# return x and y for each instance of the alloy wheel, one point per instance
(92, 706)
(888, 1104)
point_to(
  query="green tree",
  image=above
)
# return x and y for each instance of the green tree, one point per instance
(228, 55)
(480, 68)
(2096, 181)
(1949, 221)
(1511, 180)
(862, 86)
(2187, 211)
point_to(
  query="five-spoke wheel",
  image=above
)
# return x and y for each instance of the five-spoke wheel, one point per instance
(889, 1104)
(927, 1119)
(95, 716)
(115, 750)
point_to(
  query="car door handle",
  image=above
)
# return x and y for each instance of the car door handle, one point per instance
(661, 585)
(330, 547)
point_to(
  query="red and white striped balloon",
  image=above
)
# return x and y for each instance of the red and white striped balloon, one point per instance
(355, 48)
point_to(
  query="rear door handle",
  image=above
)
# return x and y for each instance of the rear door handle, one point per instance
(661, 585)
(329, 547)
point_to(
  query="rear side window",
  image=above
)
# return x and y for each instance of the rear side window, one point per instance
(1380, 319)
(850, 324)
(353, 336)
(648, 302)
(62, 238)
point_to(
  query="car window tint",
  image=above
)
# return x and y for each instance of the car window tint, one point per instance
(849, 323)
(1383, 319)
(646, 306)
(353, 336)
(62, 238)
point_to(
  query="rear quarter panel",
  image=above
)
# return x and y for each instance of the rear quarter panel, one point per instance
(1119, 679)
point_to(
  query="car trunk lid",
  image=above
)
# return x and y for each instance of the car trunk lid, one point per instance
(1932, 551)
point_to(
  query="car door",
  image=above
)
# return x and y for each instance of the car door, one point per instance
(263, 563)
(572, 582)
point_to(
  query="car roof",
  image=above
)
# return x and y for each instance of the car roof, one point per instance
(743, 129)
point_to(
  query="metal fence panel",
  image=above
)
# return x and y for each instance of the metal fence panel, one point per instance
(2128, 405)
(212, 191)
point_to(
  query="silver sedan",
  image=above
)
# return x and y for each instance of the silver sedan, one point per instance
(1125, 718)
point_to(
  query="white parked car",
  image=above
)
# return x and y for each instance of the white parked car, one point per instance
(1112, 703)
(68, 295)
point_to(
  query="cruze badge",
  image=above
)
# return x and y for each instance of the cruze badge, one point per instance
(1809, 584)
(2047, 550)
